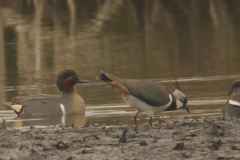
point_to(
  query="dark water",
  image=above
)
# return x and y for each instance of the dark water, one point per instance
(196, 41)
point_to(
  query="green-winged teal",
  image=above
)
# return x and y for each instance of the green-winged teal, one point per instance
(233, 102)
(39, 105)
(146, 96)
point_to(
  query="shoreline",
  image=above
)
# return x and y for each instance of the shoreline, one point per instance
(181, 138)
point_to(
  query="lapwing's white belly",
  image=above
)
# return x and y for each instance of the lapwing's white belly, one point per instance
(143, 107)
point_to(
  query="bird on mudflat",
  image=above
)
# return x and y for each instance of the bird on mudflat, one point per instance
(233, 101)
(146, 96)
(42, 105)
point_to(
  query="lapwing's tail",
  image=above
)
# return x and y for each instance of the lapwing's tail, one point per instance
(116, 82)
(104, 77)
(110, 78)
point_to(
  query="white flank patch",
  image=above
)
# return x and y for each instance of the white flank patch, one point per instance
(63, 109)
(17, 107)
(234, 103)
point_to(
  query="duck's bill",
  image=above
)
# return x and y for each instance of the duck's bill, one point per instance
(83, 81)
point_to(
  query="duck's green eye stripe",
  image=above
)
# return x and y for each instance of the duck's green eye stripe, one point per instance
(62, 77)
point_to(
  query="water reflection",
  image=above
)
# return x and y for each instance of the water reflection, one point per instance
(75, 120)
(196, 41)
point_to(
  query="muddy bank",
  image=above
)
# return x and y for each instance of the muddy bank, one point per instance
(167, 139)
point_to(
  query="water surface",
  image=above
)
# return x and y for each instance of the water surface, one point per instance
(194, 41)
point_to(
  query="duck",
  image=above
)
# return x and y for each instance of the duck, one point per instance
(46, 105)
(146, 96)
(233, 101)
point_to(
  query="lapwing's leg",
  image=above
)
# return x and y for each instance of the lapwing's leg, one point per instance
(135, 117)
(150, 120)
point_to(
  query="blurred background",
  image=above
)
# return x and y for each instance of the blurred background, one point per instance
(195, 41)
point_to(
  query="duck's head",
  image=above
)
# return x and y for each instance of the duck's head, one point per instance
(181, 99)
(66, 79)
(236, 85)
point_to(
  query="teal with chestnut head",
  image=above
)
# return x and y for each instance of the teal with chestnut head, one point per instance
(44, 104)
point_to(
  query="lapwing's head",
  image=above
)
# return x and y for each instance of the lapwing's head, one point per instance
(181, 99)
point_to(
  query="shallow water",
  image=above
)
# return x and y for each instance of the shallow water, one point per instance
(194, 41)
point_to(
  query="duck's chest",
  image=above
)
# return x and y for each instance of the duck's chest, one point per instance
(72, 103)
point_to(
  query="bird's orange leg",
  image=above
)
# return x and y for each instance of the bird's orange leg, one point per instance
(150, 120)
(135, 118)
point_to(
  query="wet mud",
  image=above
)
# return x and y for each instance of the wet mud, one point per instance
(181, 138)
